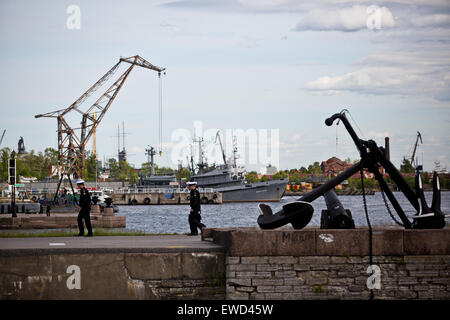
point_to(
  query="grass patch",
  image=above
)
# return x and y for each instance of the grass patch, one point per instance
(318, 289)
(99, 232)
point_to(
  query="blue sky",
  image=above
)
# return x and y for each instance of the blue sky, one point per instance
(270, 64)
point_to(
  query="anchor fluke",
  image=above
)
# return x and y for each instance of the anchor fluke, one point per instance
(426, 217)
(298, 213)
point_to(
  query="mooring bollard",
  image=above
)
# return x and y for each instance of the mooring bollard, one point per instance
(336, 217)
(109, 210)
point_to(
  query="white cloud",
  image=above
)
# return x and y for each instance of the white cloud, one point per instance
(432, 20)
(345, 19)
(408, 74)
(380, 135)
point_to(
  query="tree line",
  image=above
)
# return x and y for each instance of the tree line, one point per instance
(39, 165)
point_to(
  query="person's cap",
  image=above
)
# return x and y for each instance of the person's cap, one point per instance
(80, 181)
(191, 183)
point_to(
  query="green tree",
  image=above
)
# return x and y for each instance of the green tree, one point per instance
(406, 167)
(279, 175)
(314, 168)
(183, 173)
(5, 153)
(122, 171)
(91, 170)
(251, 177)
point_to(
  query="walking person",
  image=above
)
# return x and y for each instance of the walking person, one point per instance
(84, 205)
(194, 215)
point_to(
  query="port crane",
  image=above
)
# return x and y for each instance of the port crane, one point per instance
(71, 146)
(72, 141)
(3, 135)
(221, 148)
(419, 137)
(413, 156)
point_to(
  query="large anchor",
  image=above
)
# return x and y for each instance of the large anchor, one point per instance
(299, 213)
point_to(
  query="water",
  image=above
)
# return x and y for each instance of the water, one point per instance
(174, 218)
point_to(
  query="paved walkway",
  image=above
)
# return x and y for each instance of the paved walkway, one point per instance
(107, 244)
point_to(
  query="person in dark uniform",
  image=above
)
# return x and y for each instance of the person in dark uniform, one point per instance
(194, 215)
(84, 205)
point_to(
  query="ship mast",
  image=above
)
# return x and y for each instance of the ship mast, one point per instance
(151, 153)
(235, 155)
(201, 165)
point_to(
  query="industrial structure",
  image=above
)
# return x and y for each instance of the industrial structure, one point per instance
(72, 141)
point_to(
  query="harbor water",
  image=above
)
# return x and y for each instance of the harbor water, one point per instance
(174, 218)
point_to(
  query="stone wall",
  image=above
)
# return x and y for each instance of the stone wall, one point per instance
(335, 277)
(332, 264)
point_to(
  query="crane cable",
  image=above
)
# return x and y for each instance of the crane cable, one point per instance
(354, 122)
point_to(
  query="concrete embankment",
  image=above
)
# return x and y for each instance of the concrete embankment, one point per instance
(236, 263)
(143, 267)
(58, 220)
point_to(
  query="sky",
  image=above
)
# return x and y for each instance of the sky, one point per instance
(261, 68)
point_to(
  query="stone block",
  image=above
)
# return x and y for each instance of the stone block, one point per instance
(301, 267)
(271, 242)
(356, 288)
(297, 281)
(232, 260)
(241, 267)
(267, 267)
(206, 233)
(291, 296)
(274, 296)
(317, 281)
(424, 273)
(265, 289)
(283, 289)
(251, 274)
(387, 242)
(108, 212)
(267, 282)
(285, 274)
(283, 260)
(427, 242)
(313, 260)
(245, 289)
(334, 242)
(239, 282)
(254, 260)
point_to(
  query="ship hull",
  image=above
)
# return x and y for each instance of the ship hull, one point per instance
(270, 191)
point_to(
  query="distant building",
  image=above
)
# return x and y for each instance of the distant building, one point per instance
(271, 170)
(334, 166)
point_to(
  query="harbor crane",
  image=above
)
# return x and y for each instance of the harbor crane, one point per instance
(419, 137)
(3, 135)
(72, 142)
(71, 146)
(221, 148)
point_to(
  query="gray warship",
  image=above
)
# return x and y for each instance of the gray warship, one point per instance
(229, 179)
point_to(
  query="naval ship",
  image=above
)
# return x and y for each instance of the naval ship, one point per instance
(229, 179)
